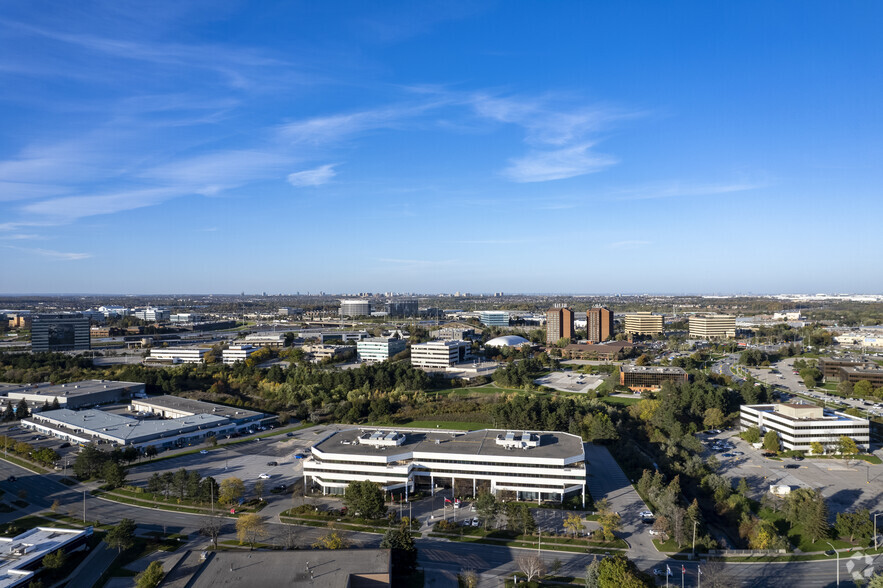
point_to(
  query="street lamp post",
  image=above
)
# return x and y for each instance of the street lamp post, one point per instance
(837, 553)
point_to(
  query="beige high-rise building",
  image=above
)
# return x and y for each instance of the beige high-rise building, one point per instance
(599, 324)
(559, 324)
(643, 323)
(713, 326)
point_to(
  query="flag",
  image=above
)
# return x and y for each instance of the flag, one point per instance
(683, 569)
(447, 499)
(667, 569)
(699, 569)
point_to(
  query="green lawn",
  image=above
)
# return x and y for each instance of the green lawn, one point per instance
(797, 536)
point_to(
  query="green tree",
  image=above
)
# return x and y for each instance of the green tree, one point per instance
(771, 441)
(231, 490)
(154, 484)
(751, 435)
(331, 540)
(487, 508)
(610, 521)
(855, 525)
(259, 489)
(404, 550)
(365, 498)
(815, 520)
(21, 410)
(151, 577)
(89, 462)
(121, 536)
(816, 448)
(593, 573)
(55, 560)
(9, 412)
(714, 418)
(113, 473)
(150, 451)
(597, 426)
(863, 389)
(55, 405)
(876, 581)
(620, 572)
(846, 446)
(845, 388)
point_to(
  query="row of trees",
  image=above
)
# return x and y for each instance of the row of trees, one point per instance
(43, 455)
(186, 485)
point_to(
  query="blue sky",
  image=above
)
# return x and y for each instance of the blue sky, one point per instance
(579, 147)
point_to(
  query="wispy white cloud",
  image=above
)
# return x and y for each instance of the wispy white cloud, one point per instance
(542, 166)
(313, 177)
(214, 172)
(676, 189)
(19, 237)
(69, 208)
(561, 138)
(60, 255)
(628, 244)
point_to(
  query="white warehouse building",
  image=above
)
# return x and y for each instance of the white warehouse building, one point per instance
(236, 353)
(526, 465)
(177, 354)
(799, 425)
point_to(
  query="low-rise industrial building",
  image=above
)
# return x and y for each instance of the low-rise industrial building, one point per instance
(377, 349)
(74, 395)
(175, 355)
(319, 353)
(600, 351)
(525, 465)
(236, 353)
(639, 378)
(171, 407)
(800, 425)
(453, 333)
(438, 355)
(22, 555)
(269, 339)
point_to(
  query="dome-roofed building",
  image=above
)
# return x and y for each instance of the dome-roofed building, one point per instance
(507, 341)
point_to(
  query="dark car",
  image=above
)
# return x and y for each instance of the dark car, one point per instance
(63, 445)
(10, 479)
(272, 463)
(791, 466)
(289, 434)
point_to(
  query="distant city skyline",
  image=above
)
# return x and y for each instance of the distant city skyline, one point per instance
(564, 147)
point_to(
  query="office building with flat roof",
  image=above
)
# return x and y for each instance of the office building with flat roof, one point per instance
(712, 326)
(830, 368)
(377, 349)
(439, 355)
(599, 324)
(639, 378)
(800, 425)
(268, 339)
(152, 315)
(520, 465)
(318, 353)
(559, 324)
(494, 318)
(236, 353)
(403, 307)
(601, 351)
(60, 332)
(353, 308)
(177, 355)
(644, 323)
(453, 333)
(854, 375)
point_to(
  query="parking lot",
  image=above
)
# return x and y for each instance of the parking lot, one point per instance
(847, 485)
(570, 381)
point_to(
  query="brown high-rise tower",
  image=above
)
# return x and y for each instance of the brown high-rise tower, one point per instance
(599, 324)
(559, 323)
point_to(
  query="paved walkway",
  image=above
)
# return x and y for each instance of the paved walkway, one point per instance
(87, 573)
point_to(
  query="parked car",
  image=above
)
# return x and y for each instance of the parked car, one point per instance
(646, 514)
(474, 521)
(264, 476)
(203, 451)
(655, 532)
(299, 456)
(272, 463)
(791, 466)
(289, 434)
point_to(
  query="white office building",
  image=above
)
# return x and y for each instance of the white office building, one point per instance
(378, 349)
(152, 315)
(355, 308)
(514, 465)
(177, 355)
(439, 355)
(713, 326)
(236, 353)
(799, 425)
(268, 339)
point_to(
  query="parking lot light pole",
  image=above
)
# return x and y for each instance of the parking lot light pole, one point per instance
(837, 553)
(875, 529)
